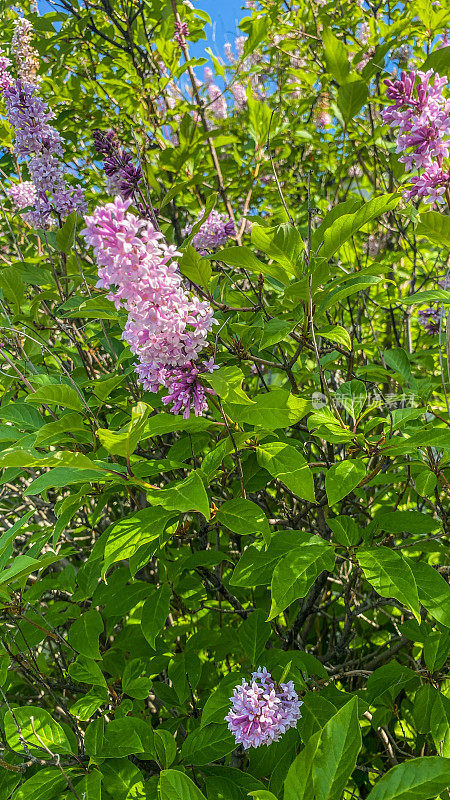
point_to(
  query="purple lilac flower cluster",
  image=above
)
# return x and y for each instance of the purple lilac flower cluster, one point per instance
(262, 711)
(166, 328)
(40, 143)
(215, 231)
(431, 319)
(124, 177)
(422, 116)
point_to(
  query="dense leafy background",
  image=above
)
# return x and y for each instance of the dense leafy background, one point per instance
(148, 563)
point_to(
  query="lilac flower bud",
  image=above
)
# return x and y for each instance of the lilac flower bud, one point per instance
(262, 711)
(181, 32)
(124, 177)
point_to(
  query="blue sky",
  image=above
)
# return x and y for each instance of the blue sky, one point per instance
(225, 15)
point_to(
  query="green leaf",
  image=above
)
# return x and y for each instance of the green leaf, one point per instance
(46, 784)
(175, 785)
(12, 287)
(125, 441)
(56, 395)
(194, 267)
(283, 243)
(435, 226)
(155, 612)
(274, 331)
(135, 683)
(65, 236)
(434, 591)
(65, 476)
(336, 56)
(207, 744)
(416, 779)
(187, 495)
(336, 333)
(86, 670)
(84, 634)
(226, 382)
(272, 410)
(340, 743)
(346, 225)
(123, 779)
(45, 728)
(285, 463)
(298, 784)
(87, 705)
(342, 478)
(63, 427)
(345, 530)
(294, 575)
(254, 633)
(398, 360)
(165, 746)
(129, 534)
(257, 563)
(351, 98)
(244, 258)
(391, 576)
(438, 60)
(218, 702)
(353, 285)
(428, 296)
(243, 517)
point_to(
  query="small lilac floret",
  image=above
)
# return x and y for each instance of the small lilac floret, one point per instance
(262, 711)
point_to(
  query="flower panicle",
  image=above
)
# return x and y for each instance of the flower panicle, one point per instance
(262, 711)
(421, 116)
(166, 327)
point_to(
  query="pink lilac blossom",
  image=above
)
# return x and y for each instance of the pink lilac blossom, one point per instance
(262, 711)
(228, 50)
(166, 328)
(365, 58)
(218, 103)
(25, 56)
(40, 143)
(239, 95)
(22, 194)
(239, 43)
(422, 115)
(215, 231)
(431, 319)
